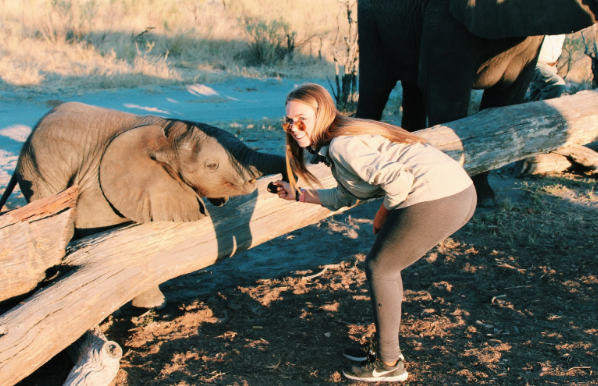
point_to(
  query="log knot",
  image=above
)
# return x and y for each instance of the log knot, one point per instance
(113, 350)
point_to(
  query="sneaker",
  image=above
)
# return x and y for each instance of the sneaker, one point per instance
(365, 352)
(376, 371)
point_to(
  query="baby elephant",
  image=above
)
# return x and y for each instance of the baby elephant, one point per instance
(139, 168)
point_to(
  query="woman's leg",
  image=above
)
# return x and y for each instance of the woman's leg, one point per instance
(407, 235)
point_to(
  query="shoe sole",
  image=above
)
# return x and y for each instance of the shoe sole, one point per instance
(396, 378)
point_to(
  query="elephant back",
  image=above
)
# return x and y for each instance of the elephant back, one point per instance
(498, 19)
(65, 149)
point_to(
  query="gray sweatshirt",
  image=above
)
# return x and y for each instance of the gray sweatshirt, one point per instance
(369, 166)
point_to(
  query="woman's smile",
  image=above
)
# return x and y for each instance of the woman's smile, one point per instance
(299, 135)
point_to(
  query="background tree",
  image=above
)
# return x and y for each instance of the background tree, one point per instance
(345, 93)
(588, 37)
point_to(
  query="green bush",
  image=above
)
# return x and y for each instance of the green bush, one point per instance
(270, 42)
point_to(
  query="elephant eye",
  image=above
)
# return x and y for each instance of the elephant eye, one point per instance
(211, 165)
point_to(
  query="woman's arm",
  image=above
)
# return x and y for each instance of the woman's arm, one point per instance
(311, 196)
(284, 191)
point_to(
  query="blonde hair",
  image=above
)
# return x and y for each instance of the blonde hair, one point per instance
(331, 123)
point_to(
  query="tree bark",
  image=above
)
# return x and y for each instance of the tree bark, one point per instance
(111, 268)
(33, 239)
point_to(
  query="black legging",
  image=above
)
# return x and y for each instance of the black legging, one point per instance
(406, 236)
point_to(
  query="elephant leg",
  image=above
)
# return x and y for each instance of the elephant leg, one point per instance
(452, 63)
(414, 108)
(486, 195)
(499, 96)
(152, 298)
(448, 100)
(449, 60)
(446, 96)
(375, 80)
(442, 110)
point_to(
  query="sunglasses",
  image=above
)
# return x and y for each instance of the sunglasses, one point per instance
(288, 124)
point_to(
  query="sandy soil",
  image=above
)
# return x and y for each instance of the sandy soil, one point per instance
(510, 299)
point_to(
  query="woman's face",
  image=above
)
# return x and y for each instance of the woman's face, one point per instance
(300, 115)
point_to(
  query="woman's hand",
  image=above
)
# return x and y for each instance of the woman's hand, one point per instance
(284, 190)
(380, 218)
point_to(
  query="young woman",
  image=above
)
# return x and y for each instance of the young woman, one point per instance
(427, 197)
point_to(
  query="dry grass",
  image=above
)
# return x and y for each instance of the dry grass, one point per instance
(55, 44)
(551, 204)
(125, 43)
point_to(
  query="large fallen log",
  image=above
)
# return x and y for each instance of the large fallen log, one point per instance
(33, 239)
(493, 138)
(111, 268)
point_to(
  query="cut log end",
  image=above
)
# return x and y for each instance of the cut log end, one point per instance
(33, 239)
(96, 359)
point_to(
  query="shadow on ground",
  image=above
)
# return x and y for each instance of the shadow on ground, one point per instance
(510, 299)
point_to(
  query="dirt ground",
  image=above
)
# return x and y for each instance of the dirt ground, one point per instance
(510, 299)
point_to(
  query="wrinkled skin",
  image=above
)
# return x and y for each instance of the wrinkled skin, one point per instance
(439, 59)
(139, 168)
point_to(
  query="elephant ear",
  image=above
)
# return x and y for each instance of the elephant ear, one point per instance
(138, 181)
(498, 19)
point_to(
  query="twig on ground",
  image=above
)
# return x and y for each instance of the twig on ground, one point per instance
(519, 286)
(321, 272)
(216, 375)
(580, 367)
(275, 367)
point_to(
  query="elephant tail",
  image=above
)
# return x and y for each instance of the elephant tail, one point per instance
(9, 188)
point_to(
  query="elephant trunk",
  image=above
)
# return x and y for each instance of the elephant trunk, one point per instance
(259, 164)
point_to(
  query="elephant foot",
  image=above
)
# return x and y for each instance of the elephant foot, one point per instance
(152, 298)
(486, 196)
(486, 202)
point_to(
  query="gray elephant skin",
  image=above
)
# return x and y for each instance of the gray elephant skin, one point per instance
(135, 168)
(441, 49)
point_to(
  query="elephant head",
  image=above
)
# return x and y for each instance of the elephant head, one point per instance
(157, 173)
(498, 19)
